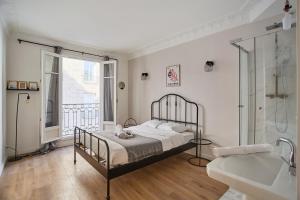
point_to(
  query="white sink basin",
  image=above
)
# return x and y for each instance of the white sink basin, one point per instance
(258, 176)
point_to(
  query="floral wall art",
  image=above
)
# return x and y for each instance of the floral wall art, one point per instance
(173, 76)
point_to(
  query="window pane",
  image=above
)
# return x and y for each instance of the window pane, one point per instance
(81, 95)
(89, 71)
(52, 100)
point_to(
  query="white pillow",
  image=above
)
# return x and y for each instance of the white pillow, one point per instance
(171, 126)
(152, 123)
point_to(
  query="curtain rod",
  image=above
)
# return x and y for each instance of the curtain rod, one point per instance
(59, 48)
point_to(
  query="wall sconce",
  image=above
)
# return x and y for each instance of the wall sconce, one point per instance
(121, 85)
(209, 66)
(144, 76)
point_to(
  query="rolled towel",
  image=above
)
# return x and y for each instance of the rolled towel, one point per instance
(240, 150)
(122, 135)
(119, 132)
(125, 135)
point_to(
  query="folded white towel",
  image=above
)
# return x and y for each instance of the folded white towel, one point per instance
(240, 150)
(122, 135)
(119, 130)
(125, 135)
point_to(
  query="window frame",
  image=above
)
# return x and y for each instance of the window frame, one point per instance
(43, 138)
(103, 123)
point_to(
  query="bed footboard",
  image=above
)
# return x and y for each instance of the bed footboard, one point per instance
(85, 149)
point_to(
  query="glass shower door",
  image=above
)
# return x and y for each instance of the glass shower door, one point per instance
(268, 88)
(243, 99)
(246, 92)
(276, 57)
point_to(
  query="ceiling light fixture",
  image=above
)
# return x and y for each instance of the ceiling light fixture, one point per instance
(287, 19)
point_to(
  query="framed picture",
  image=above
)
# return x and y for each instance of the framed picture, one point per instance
(33, 86)
(22, 85)
(12, 85)
(173, 76)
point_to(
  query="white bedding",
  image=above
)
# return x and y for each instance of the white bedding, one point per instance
(118, 154)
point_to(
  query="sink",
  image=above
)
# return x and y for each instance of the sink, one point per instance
(264, 168)
(258, 176)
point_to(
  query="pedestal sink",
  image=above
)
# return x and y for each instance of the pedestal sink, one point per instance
(259, 176)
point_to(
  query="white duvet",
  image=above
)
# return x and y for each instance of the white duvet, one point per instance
(118, 154)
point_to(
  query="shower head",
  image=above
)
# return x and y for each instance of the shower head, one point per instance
(287, 19)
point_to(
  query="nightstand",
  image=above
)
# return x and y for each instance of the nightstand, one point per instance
(196, 160)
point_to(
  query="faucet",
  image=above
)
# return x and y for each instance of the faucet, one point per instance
(291, 162)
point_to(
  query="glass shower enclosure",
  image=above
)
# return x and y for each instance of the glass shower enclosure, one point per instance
(267, 87)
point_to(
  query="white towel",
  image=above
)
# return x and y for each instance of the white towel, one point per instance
(240, 150)
(119, 130)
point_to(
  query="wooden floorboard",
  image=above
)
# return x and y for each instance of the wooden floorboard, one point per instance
(54, 177)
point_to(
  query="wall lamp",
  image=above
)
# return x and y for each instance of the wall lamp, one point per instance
(209, 66)
(144, 76)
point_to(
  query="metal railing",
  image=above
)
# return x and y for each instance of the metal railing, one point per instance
(86, 116)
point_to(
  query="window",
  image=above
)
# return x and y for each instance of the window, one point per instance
(81, 88)
(89, 69)
(85, 91)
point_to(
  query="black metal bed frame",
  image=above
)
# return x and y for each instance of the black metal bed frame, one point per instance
(102, 165)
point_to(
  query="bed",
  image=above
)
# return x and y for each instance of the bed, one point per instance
(113, 157)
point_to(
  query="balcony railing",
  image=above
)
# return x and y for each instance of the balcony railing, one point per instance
(85, 116)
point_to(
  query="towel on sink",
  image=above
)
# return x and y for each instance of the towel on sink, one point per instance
(240, 150)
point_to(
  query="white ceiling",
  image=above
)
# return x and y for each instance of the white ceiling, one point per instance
(129, 26)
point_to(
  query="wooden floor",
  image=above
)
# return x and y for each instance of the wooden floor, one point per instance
(54, 176)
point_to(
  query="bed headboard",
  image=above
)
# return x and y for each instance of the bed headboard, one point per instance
(175, 108)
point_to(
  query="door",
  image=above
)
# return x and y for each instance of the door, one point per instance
(51, 97)
(109, 94)
(247, 91)
(244, 95)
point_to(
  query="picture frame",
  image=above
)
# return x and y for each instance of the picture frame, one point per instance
(13, 85)
(33, 85)
(22, 85)
(173, 78)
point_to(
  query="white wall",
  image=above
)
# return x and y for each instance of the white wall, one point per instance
(23, 61)
(3, 95)
(217, 91)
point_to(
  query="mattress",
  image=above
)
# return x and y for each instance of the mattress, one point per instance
(119, 155)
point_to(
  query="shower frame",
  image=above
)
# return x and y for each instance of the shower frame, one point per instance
(234, 43)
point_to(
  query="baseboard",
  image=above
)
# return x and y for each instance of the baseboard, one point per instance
(68, 141)
(2, 167)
